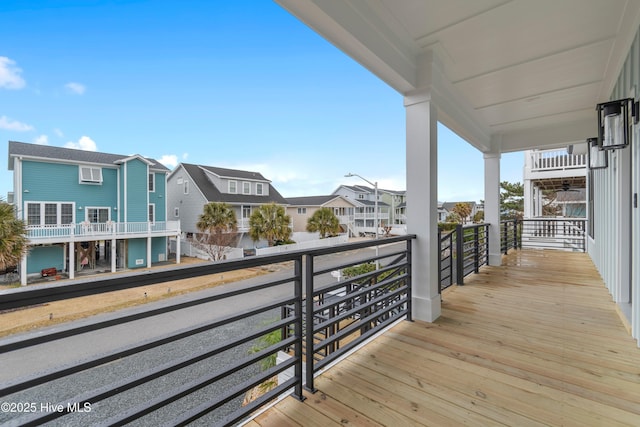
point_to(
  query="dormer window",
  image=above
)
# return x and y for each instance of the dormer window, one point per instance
(233, 187)
(90, 174)
(246, 188)
(259, 189)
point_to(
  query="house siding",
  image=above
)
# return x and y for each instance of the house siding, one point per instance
(41, 257)
(157, 197)
(137, 182)
(38, 189)
(615, 244)
(190, 205)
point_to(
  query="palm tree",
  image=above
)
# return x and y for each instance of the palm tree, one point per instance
(13, 237)
(270, 222)
(323, 221)
(219, 225)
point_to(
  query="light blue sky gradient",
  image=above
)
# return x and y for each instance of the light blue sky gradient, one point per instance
(238, 84)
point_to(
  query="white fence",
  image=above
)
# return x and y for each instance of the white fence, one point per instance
(320, 243)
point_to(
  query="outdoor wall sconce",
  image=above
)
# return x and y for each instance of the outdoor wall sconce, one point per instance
(597, 158)
(614, 123)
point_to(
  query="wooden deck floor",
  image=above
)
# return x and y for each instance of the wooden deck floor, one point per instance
(536, 342)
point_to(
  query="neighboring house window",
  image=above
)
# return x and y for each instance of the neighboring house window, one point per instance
(360, 196)
(176, 212)
(66, 213)
(90, 174)
(49, 213)
(259, 188)
(179, 181)
(233, 187)
(152, 212)
(302, 211)
(186, 187)
(246, 212)
(152, 182)
(97, 215)
(33, 213)
(246, 188)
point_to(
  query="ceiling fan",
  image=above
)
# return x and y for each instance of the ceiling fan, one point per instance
(567, 187)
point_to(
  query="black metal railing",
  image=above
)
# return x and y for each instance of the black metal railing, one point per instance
(215, 361)
(342, 315)
(510, 235)
(462, 252)
(566, 234)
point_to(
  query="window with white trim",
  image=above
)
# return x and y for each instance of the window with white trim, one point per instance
(259, 188)
(246, 188)
(176, 212)
(302, 211)
(97, 215)
(233, 187)
(152, 182)
(152, 212)
(90, 174)
(186, 187)
(49, 213)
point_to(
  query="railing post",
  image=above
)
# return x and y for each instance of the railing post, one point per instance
(506, 237)
(409, 289)
(476, 248)
(459, 255)
(309, 322)
(439, 261)
(299, 313)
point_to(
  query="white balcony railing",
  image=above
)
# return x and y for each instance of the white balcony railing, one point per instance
(548, 160)
(101, 229)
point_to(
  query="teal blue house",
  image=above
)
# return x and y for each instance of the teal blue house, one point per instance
(89, 210)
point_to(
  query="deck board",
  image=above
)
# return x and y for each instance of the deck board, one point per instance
(535, 342)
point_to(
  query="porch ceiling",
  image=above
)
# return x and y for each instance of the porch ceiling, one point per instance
(516, 74)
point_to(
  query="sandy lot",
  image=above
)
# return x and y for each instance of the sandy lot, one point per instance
(21, 320)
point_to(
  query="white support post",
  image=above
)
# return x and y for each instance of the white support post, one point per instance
(422, 203)
(72, 260)
(492, 205)
(178, 249)
(148, 252)
(113, 255)
(23, 271)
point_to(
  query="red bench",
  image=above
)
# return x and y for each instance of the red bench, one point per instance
(48, 272)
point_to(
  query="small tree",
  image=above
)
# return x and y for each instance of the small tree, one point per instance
(270, 222)
(463, 210)
(218, 226)
(511, 200)
(478, 217)
(323, 221)
(453, 218)
(13, 236)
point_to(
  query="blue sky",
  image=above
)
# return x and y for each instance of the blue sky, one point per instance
(238, 84)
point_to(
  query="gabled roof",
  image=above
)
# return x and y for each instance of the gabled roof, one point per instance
(315, 200)
(199, 178)
(48, 152)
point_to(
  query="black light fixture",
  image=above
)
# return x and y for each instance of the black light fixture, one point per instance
(598, 159)
(614, 123)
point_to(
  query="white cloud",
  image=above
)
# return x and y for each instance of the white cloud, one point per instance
(84, 143)
(76, 88)
(169, 160)
(185, 156)
(58, 132)
(42, 140)
(10, 74)
(8, 124)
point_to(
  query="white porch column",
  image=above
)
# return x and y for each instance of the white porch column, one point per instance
(178, 249)
(422, 203)
(492, 205)
(113, 255)
(148, 252)
(72, 260)
(23, 271)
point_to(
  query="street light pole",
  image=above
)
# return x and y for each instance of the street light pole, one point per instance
(375, 207)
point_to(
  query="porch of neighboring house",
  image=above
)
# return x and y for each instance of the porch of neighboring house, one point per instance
(536, 341)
